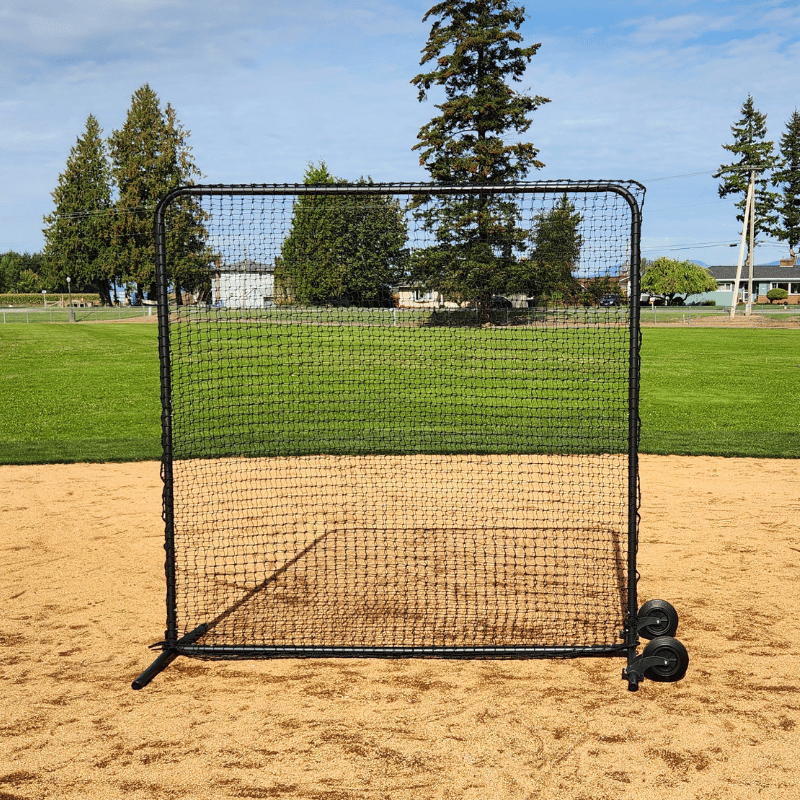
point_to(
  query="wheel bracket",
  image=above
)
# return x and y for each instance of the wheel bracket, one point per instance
(634, 672)
(643, 622)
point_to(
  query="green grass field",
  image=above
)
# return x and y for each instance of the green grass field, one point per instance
(334, 386)
(91, 392)
(79, 393)
(730, 392)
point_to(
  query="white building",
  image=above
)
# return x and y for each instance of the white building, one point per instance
(244, 284)
(410, 296)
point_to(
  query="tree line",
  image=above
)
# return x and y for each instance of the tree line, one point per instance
(20, 272)
(356, 248)
(100, 233)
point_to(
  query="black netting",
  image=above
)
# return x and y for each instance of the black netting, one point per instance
(402, 420)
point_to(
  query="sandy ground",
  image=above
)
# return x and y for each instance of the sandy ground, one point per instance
(82, 593)
(392, 551)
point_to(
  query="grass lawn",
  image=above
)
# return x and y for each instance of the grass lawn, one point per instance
(287, 389)
(731, 392)
(79, 393)
(91, 392)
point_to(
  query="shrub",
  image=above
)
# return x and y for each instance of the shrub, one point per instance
(777, 294)
(708, 303)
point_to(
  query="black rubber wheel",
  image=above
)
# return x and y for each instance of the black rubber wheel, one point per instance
(666, 619)
(675, 654)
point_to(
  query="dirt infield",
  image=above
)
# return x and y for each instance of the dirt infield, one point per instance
(392, 550)
(83, 595)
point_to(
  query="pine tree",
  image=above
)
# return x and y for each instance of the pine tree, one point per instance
(754, 153)
(77, 236)
(556, 249)
(186, 234)
(788, 176)
(150, 157)
(342, 249)
(478, 238)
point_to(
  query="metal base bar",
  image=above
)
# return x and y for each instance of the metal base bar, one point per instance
(167, 656)
(311, 651)
(159, 665)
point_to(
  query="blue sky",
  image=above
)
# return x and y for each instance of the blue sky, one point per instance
(638, 90)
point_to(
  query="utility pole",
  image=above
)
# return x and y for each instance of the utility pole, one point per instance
(749, 217)
(752, 188)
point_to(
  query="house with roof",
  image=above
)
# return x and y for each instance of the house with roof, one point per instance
(783, 275)
(411, 295)
(243, 284)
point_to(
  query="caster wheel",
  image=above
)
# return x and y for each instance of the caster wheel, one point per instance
(675, 655)
(663, 616)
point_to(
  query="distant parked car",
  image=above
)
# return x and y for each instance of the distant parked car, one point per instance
(653, 299)
(608, 300)
(500, 302)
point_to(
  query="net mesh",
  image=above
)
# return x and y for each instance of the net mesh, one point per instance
(358, 459)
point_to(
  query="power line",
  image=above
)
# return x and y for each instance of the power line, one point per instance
(673, 177)
(736, 168)
(706, 245)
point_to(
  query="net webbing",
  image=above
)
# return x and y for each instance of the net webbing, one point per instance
(359, 463)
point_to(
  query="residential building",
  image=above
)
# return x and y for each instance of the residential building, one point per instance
(785, 275)
(243, 284)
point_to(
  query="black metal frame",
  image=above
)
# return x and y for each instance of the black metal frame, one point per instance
(173, 645)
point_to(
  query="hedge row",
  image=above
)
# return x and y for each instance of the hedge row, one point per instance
(37, 299)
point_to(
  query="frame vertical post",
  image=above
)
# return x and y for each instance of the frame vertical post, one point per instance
(171, 634)
(634, 360)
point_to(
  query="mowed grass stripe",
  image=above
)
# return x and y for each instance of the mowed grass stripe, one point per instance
(262, 389)
(91, 392)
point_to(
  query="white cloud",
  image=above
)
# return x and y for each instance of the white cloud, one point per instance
(66, 26)
(678, 29)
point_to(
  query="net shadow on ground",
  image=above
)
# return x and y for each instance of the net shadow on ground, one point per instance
(339, 553)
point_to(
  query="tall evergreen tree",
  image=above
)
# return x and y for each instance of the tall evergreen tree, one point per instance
(77, 235)
(555, 252)
(342, 249)
(753, 152)
(474, 46)
(150, 157)
(787, 177)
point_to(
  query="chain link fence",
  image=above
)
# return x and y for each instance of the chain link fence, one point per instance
(719, 317)
(77, 314)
